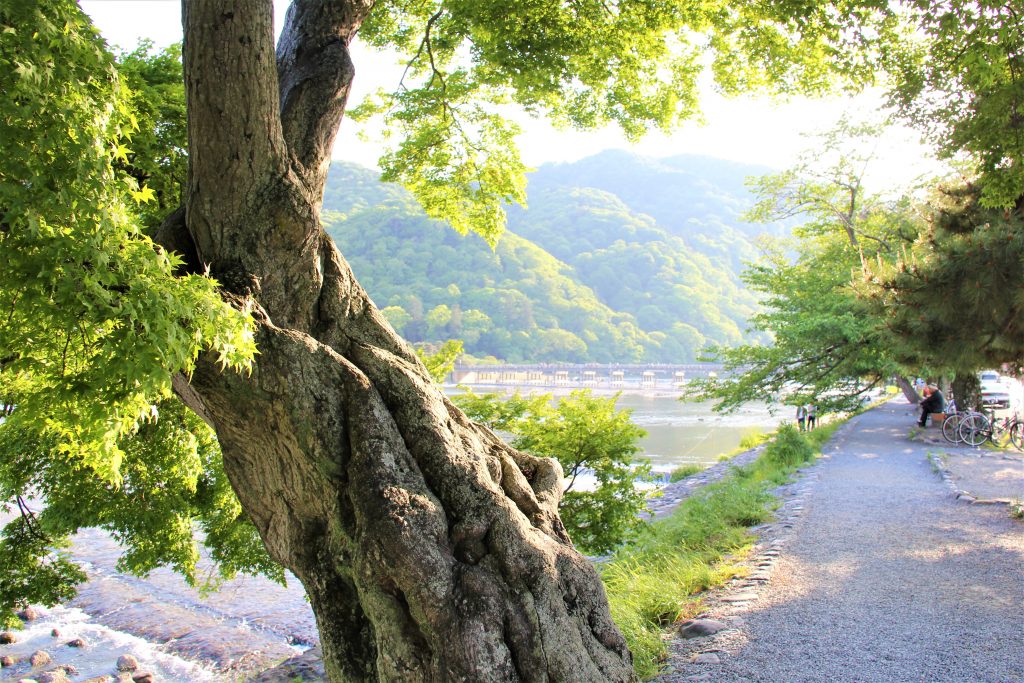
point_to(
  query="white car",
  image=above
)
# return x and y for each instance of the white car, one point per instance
(995, 391)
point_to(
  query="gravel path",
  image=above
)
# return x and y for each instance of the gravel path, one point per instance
(873, 572)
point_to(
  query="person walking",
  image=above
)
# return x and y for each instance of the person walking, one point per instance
(801, 417)
(812, 416)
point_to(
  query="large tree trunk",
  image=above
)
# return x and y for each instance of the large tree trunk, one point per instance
(430, 550)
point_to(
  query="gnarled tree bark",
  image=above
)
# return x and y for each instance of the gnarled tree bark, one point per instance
(430, 550)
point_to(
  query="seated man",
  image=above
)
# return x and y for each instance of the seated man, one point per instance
(934, 402)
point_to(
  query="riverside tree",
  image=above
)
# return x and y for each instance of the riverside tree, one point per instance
(430, 550)
(827, 345)
(954, 299)
(949, 299)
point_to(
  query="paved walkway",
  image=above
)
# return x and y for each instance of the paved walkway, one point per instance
(875, 571)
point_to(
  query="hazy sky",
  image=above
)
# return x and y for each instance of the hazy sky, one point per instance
(756, 130)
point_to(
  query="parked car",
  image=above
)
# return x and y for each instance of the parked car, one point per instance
(995, 392)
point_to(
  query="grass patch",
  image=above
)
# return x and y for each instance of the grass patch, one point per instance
(655, 581)
(749, 440)
(753, 439)
(684, 471)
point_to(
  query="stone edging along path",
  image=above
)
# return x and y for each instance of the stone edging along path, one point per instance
(727, 603)
(941, 466)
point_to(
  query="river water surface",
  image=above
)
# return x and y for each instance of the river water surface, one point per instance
(185, 636)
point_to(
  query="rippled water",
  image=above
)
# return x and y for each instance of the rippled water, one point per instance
(104, 646)
(251, 623)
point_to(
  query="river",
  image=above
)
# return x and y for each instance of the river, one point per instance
(184, 636)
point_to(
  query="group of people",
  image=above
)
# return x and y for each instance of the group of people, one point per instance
(806, 416)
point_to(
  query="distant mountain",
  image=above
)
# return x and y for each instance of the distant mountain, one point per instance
(618, 258)
(697, 198)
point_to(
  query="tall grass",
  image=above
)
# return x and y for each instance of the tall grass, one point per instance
(656, 580)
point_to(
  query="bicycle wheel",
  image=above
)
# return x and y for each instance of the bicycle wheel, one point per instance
(975, 429)
(1017, 435)
(951, 427)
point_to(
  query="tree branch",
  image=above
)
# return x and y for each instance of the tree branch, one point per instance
(316, 72)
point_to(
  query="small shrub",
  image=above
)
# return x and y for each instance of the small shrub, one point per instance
(790, 448)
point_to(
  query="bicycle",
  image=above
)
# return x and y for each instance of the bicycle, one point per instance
(976, 428)
(951, 425)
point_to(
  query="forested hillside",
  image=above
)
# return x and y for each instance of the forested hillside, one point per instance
(617, 259)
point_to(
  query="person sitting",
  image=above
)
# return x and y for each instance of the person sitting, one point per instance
(934, 402)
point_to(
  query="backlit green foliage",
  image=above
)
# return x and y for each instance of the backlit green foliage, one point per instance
(441, 361)
(958, 80)
(95, 323)
(827, 346)
(172, 485)
(585, 64)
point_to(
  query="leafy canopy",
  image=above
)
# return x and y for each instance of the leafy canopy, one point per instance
(96, 323)
(958, 80)
(585, 64)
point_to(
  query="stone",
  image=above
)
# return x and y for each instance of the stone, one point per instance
(55, 633)
(6, 638)
(29, 614)
(760, 576)
(127, 663)
(699, 677)
(40, 658)
(77, 642)
(707, 658)
(8, 660)
(144, 677)
(69, 669)
(740, 597)
(99, 679)
(699, 628)
(55, 676)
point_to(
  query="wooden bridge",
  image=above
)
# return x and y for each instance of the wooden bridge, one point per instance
(633, 376)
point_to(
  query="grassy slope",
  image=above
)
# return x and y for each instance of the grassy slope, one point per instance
(655, 581)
